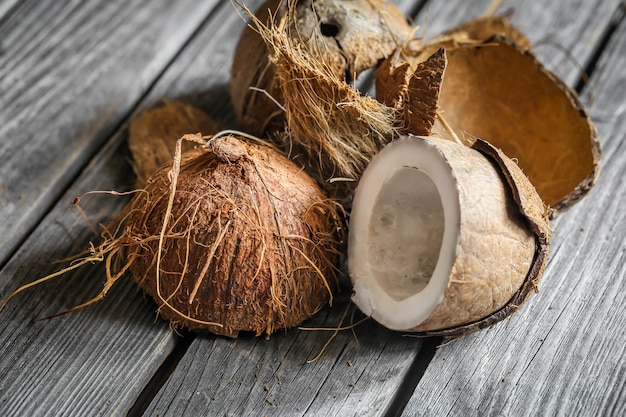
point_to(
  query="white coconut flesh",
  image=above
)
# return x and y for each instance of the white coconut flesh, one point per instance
(404, 232)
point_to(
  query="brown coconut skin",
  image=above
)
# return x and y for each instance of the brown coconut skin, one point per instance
(503, 247)
(350, 36)
(250, 244)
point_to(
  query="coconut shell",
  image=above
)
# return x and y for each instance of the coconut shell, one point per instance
(152, 136)
(495, 257)
(413, 92)
(348, 37)
(500, 92)
(250, 243)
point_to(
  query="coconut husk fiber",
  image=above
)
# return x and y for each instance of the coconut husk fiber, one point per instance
(333, 130)
(244, 250)
(348, 36)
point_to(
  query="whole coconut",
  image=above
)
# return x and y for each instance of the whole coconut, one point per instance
(237, 239)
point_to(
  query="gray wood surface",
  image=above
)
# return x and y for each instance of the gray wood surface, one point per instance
(71, 76)
(70, 72)
(563, 353)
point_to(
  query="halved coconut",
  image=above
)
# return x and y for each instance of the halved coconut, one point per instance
(444, 239)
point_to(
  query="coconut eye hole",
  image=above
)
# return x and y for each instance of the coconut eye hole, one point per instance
(329, 30)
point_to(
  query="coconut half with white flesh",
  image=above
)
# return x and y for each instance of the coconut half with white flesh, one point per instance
(444, 239)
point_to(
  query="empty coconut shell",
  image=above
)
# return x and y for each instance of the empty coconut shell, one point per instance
(496, 90)
(152, 136)
(249, 241)
(347, 36)
(501, 93)
(444, 239)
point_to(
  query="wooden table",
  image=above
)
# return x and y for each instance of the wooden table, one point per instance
(72, 75)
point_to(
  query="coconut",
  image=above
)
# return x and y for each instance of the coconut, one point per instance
(348, 36)
(236, 246)
(444, 239)
(152, 136)
(231, 237)
(496, 89)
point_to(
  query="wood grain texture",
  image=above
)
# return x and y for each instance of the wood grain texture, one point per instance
(563, 354)
(5, 7)
(70, 76)
(357, 374)
(92, 362)
(69, 73)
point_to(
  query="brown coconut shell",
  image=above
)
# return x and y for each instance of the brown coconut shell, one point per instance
(249, 241)
(412, 91)
(497, 257)
(347, 36)
(498, 91)
(152, 135)
(501, 93)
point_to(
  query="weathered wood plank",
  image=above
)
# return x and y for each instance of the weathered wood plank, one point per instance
(92, 362)
(69, 73)
(5, 7)
(564, 352)
(356, 375)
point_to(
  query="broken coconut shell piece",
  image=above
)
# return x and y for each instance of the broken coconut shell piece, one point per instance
(502, 94)
(412, 91)
(498, 91)
(347, 36)
(152, 135)
(444, 239)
